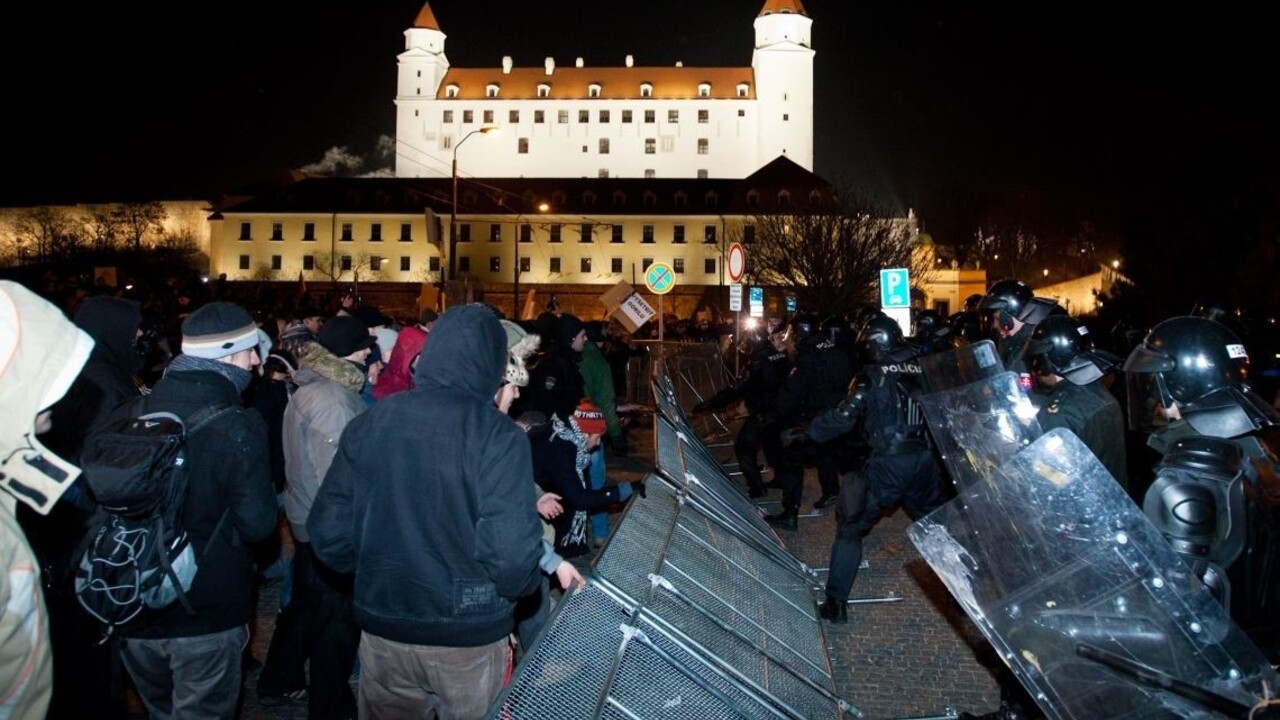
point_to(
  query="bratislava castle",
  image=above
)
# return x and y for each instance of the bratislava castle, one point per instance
(631, 121)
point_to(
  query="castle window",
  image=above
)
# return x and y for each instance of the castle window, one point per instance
(602, 173)
(650, 146)
(348, 232)
(604, 146)
(743, 89)
(308, 262)
(650, 199)
(447, 116)
(626, 116)
(584, 233)
(604, 116)
(244, 262)
(703, 116)
(615, 233)
(753, 198)
(584, 265)
(277, 231)
(495, 264)
(406, 232)
(703, 174)
(491, 90)
(645, 263)
(451, 91)
(650, 173)
(711, 199)
(650, 116)
(309, 232)
(495, 232)
(522, 146)
(681, 199)
(433, 263)
(468, 117)
(593, 90)
(539, 116)
(525, 264)
(677, 264)
(405, 263)
(244, 231)
(554, 265)
(619, 198)
(815, 197)
(488, 117)
(375, 232)
(786, 117)
(464, 232)
(562, 117)
(276, 262)
(704, 90)
(677, 234)
(513, 116)
(646, 90)
(345, 263)
(526, 232)
(556, 232)
(784, 199)
(673, 116)
(584, 116)
(646, 234)
(589, 198)
(544, 90)
(615, 265)
(464, 264)
(709, 266)
(709, 234)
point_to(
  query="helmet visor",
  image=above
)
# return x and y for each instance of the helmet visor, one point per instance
(1150, 403)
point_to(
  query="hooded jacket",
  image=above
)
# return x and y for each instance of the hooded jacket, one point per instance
(328, 396)
(397, 377)
(40, 354)
(429, 500)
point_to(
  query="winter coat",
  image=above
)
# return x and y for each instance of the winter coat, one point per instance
(560, 462)
(327, 398)
(597, 383)
(228, 469)
(40, 354)
(429, 500)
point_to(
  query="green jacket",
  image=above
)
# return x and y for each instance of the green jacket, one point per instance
(597, 380)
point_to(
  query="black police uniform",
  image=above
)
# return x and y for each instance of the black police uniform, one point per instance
(767, 368)
(1093, 414)
(901, 469)
(816, 384)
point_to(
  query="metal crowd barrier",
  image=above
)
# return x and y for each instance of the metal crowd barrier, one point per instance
(694, 608)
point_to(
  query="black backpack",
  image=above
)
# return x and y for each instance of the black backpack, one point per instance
(137, 554)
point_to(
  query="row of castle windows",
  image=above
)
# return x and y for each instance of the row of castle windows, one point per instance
(346, 262)
(584, 116)
(650, 146)
(586, 232)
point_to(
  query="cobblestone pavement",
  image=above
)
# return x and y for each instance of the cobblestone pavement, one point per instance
(913, 657)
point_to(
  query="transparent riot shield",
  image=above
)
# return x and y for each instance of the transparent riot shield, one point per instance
(979, 425)
(961, 366)
(1083, 598)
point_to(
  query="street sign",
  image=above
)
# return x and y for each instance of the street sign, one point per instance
(756, 296)
(659, 278)
(791, 303)
(737, 262)
(895, 288)
(735, 298)
(757, 311)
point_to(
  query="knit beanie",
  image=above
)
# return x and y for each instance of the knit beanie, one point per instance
(589, 418)
(345, 334)
(218, 329)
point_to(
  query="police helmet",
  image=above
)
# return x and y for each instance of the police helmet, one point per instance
(971, 303)
(881, 340)
(1061, 345)
(835, 328)
(801, 327)
(926, 323)
(1010, 300)
(967, 328)
(1198, 366)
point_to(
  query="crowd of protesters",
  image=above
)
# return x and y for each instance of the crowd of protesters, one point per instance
(424, 488)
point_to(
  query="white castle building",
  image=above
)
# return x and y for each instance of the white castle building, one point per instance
(619, 122)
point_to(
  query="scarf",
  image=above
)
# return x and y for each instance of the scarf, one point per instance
(238, 376)
(577, 534)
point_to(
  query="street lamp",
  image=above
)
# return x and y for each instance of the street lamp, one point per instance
(453, 208)
(515, 286)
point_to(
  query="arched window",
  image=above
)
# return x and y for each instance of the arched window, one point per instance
(646, 90)
(704, 90)
(451, 91)
(743, 90)
(593, 90)
(544, 90)
(619, 198)
(491, 90)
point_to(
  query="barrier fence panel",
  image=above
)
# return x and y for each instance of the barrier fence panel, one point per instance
(694, 608)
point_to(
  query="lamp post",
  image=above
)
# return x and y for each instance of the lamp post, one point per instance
(515, 286)
(453, 207)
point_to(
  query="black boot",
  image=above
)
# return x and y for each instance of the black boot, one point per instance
(785, 520)
(824, 501)
(834, 611)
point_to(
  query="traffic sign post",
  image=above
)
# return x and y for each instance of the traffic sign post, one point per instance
(895, 288)
(735, 298)
(660, 279)
(736, 262)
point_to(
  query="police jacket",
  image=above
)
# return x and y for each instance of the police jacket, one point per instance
(767, 369)
(816, 384)
(883, 407)
(1093, 414)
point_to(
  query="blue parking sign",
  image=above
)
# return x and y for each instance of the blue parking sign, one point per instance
(755, 296)
(895, 288)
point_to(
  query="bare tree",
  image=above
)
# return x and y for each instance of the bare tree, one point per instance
(139, 221)
(1009, 250)
(360, 267)
(831, 255)
(45, 233)
(103, 229)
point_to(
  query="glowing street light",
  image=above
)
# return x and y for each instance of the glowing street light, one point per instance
(453, 208)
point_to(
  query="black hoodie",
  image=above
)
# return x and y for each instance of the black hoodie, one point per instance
(429, 500)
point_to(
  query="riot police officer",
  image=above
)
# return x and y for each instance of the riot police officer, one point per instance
(901, 468)
(817, 382)
(1215, 496)
(1011, 311)
(1069, 373)
(767, 368)
(929, 332)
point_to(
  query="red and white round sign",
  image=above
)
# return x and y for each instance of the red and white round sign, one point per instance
(737, 262)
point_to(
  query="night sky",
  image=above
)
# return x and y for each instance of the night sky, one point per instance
(951, 109)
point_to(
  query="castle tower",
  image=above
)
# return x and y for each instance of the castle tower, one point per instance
(421, 68)
(783, 65)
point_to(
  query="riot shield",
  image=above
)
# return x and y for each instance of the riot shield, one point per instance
(979, 425)
(1083, 598)
(961, 366)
